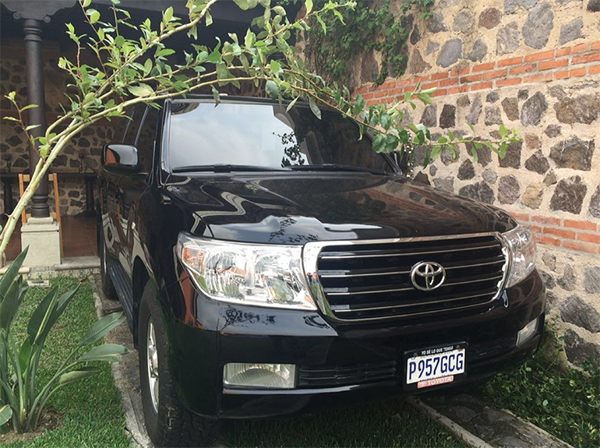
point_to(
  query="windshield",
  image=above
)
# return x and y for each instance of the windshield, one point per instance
(264, 135)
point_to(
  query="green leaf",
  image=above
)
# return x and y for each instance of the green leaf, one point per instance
(287, 109)
(101, 328)
(275, 67)
(165, 52)
(246, 4)
(250, 38)
(10, 303)
(105, 352)
(168, 14)
(272, 89)
(10, 276)
(29, 106)
(309, 6)
(76, 375)
(5, 414)
(87, 3)
(24, 354)
(141, 90)
(379, 143)
(314, 108)
(40, 315)
(216, 96)
(93, 15)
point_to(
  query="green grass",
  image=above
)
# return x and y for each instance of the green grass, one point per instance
(563, 401)
(93, 416)
(390, 423)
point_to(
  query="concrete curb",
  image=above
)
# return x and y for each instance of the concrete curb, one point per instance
(122, 372)
(455, 428)
(482, 425)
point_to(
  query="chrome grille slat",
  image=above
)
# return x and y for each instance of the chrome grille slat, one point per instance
(370, 280)
(339, 309)
(403, 254)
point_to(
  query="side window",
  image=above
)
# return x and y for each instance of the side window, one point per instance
(146, 138)
(133, 125)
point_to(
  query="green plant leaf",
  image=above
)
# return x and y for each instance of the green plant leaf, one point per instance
(168, 14)
(5, 414)
(308, 4)
(10, 303)
(272, 89)
(105, 352)
(24, 355)
(287, 109)
(42, 310)
(87, 3)
(246, 4)
(11, 273)
(101, 328)
(314, 108)
(77, 375)
(141, 90)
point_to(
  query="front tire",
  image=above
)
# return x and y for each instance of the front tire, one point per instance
(168, 423)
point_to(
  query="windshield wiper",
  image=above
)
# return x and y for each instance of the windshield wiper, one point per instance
(333, 167)
(222, 168)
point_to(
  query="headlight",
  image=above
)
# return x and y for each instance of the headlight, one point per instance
(522, 251)
(249, 274)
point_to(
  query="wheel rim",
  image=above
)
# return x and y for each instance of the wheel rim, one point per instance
(152, 364)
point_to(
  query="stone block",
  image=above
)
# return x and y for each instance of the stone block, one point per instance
(43, 238)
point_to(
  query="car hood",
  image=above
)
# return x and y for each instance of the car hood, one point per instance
(295, 208)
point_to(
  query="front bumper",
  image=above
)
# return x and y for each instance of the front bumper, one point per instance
(205, 335)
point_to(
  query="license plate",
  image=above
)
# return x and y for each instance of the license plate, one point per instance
(435, 365)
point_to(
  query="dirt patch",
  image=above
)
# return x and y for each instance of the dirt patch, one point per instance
(51, 420)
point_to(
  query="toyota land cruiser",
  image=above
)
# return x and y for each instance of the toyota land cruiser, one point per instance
(270, 263)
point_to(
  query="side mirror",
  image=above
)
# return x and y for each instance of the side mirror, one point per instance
(120, 158)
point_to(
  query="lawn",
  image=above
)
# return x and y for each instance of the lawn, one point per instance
(91, 409)
(562, 400)
(391, 423)
(93, 416)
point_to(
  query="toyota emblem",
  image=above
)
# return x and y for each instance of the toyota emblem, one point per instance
(427, 275)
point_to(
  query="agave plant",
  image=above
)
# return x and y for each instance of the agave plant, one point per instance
(22, 396)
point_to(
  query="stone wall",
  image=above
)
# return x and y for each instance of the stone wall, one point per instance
(533, 66)
(81, 154)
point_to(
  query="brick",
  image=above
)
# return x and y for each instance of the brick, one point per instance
(549, 65)
(368, 96)
(430, 85)
(593, 57)
(496, 74)
(543, 77)
(548, 241)
(483, 67)
(422, 78)
(539, 56)
(536, 229)
(595, 45)
(459, 89)
(568, 234)
(380, 94)
(594, 69)
(546, 220)
(580, 48)
(388, 85)
(403, 82)
(520, 216)
(562, 75)
(470, 78)
(449, 82)
(508, 82)
(589, 237)
(578, 72)
(438, 76)
(460, 71)
(482, 86)
(523, 69)
(440, 92)
(580, 247)
(581, 225)
(511, 61)
(563, 51)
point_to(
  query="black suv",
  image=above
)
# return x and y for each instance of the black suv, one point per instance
(270, 262)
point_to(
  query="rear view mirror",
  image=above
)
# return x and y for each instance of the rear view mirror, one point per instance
(120, 158)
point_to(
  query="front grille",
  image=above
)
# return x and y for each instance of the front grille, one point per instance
(333, 376)
(372, 281)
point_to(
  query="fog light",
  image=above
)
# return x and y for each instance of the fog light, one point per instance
(261, 376)
(527, 332)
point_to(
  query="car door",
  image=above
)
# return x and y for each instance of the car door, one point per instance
(132, 186)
